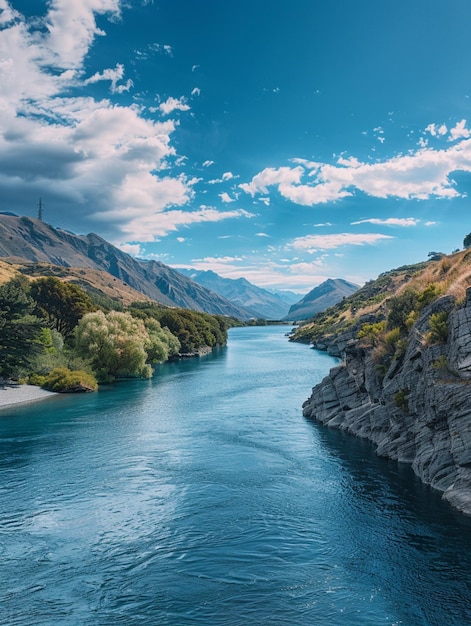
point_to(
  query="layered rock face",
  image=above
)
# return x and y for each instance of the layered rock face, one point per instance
(419, 411)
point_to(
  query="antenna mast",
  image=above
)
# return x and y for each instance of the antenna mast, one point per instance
(40, 210)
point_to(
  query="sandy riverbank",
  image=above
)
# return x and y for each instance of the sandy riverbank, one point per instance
(13, 393)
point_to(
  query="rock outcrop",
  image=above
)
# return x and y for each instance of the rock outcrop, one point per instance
(419, 410)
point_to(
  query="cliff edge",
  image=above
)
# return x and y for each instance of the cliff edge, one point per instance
(405, 381)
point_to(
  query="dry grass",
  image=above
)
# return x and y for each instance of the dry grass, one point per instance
(7, 272)
(99, 281)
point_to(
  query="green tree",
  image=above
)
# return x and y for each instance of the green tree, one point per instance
(115, 344)
(162, 344)
(61, 304)
(20, 330)
(467, 241)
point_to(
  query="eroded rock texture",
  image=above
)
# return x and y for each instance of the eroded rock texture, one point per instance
(419, 411)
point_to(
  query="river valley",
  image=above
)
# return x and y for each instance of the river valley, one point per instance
(203, 497)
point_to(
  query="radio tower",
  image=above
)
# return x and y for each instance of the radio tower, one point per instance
(40, 210)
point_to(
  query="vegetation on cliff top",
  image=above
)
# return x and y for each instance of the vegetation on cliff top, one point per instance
(382, 312)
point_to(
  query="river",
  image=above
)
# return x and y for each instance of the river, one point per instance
(203, 497)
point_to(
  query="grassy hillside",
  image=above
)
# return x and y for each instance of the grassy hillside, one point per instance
(378, 299)
(97, 283)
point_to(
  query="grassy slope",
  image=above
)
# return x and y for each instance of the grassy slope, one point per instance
(94, 282)
(451, 275)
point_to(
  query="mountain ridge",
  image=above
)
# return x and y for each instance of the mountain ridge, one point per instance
(320, 298)
(260, 302)
(25, 239)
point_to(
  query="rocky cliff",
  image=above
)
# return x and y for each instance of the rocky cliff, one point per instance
(417, 408)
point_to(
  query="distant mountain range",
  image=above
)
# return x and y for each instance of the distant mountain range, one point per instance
(31, 240)
(260, 303)
(320, 298)
(99, 266)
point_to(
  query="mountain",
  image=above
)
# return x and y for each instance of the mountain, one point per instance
(24, 239)
(404, 379)
(320, 298)
(261, 303)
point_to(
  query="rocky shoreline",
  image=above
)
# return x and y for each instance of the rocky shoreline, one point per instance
(419, 411)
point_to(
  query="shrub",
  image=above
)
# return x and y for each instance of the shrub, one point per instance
(400, 307)
(438, 327)
(64, 380)
(371, 332)
(429, 294)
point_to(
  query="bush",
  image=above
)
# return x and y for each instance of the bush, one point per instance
(63, 380)
(400, 308)
(372, 332)
(438, 327)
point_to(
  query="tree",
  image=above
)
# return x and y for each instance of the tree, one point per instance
(467, 241)
(62, 304)
(115, 344)
(19, 329)
(162, 344)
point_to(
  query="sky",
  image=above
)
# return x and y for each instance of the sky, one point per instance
(283, 141)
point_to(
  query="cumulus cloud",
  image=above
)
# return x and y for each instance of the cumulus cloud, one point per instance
(96, 161)
(173, 104)
(131, 248)
(421, 175)
(225, 197)
(459, 131)
(437, 130)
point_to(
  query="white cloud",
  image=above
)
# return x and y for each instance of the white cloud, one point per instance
(173, 104)
(261, 235)
(390, 221)
(286, 176)
(196, 91)
(114, 76)
(207, 163)
(64, 146)
(145, 226)
(72, 28)
(225, 197)
(420, 175)
(459, 131)
(7, 13)
(312, 243)
(224, 178)
(130, 248)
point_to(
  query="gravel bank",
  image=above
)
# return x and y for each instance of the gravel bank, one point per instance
(13, 393)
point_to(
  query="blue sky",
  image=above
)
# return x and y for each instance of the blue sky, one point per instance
(283, 141)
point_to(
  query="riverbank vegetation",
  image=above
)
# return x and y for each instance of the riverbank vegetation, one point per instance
(54, 334)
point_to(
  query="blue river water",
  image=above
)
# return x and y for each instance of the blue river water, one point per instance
(204, 497)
